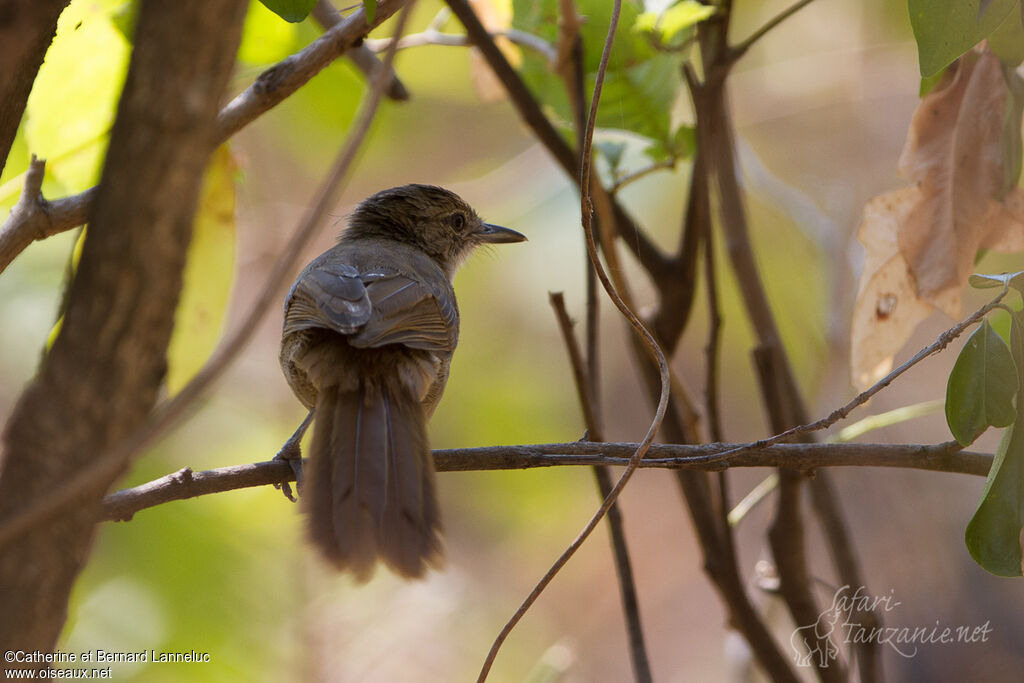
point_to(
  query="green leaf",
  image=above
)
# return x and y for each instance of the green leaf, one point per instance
(990, 281)
(945, 29)
(995, 532)
(673, 21)
(1010, 140)
(640, 85)
(981, 387)
(684, 141)
(265, 38)
(295, 10)
(1007, 41)
(83, 73)
(370, 7)
(208, 274)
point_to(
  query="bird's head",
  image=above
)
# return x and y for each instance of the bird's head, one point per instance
(431, 218)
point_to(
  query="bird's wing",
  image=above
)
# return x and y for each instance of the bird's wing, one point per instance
(374, 308)
(331, 296)
(409, 311)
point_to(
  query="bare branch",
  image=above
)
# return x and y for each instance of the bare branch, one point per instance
(741, 48)
(365, 60)
(946, 457)
(840, 413)
(652, 346)
(434, 37)
(620, 550)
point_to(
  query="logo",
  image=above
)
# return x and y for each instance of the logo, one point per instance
(815, 644)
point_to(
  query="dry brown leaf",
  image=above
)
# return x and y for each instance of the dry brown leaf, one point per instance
(887, 308)
(922, 240)
(953, 154)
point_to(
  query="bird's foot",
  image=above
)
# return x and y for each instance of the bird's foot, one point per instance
(291, 453)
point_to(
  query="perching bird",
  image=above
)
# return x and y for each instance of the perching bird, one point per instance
(370, 326)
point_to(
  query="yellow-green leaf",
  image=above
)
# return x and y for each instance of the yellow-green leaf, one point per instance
(74, 97)
(208, 274)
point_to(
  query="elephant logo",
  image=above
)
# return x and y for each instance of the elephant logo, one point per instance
(815, 639)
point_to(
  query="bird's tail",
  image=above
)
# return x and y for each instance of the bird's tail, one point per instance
(370, 489)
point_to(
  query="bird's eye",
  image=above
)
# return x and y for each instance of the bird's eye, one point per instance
(458, 221)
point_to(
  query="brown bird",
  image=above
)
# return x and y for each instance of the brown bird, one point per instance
(370, 326)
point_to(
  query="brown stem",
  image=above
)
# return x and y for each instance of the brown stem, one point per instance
(946, 458)
(623, 565)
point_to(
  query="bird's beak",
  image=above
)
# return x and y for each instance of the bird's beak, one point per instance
(495, 234)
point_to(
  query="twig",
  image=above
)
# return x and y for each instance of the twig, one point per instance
(640, 173)
(652, 344)
(167, 414)
(435, 37)
(946, 457)
(623, 565)
(365, 60)
(740, 49)
(270, 88)
(939, 344)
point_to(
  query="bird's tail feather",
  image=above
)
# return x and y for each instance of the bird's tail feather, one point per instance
(371, 482)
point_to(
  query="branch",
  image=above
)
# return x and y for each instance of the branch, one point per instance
(269, 89)
(620, 550)
(945, 457)
(365, 60)
(163, 416)
(939, 344)
(434, 37)
(741, 48)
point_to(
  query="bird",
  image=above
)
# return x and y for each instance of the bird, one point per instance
(369, 330)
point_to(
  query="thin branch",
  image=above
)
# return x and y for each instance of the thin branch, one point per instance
(740, 49)
(620, 550)
(652, 346)
(435, 37)
(629, 178)
(270, 88)
(939, 344)
(166, 414)
(325, 14)
(944, 457)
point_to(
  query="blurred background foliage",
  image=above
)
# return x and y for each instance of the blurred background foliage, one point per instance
(822, 106)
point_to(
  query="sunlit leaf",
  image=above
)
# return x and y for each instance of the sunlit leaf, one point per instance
(994, 534)
(674, 20)
(208, 274)
(297, 10)
(946, 29)
(83, 73)
(981, 386)
(265, 38)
